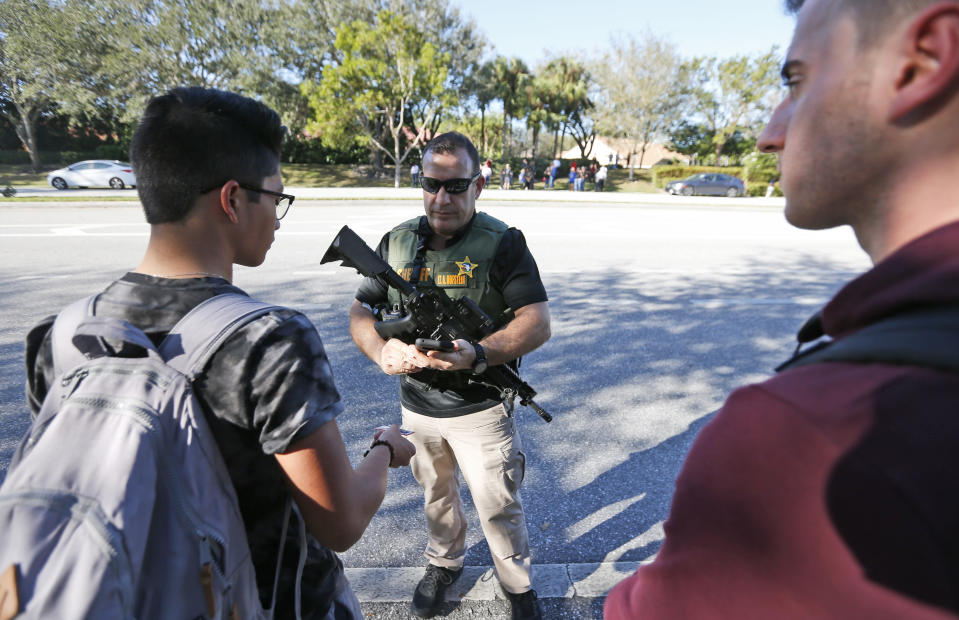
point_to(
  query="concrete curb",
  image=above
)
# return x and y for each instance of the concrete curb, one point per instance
(479, 583)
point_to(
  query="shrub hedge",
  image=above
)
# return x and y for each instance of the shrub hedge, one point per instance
(664, 174)
(299, 150)
(758, 188)
(295, 150)
(63, 158)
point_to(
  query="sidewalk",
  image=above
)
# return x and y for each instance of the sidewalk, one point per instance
(565, 590)
(536, 195)
(478, 583)
(306, 194)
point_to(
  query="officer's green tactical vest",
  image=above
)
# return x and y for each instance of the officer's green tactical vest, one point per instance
(461, 269)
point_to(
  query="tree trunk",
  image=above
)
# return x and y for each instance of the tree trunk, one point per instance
(642, 154)
(376, 160)
(32, 149)
(23, 126)
(483, 131)
(535, 145)
(720, 145)
(396, 160)
(505, 140)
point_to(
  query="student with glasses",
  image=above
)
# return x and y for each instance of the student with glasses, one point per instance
(457, 423)
(208, 176)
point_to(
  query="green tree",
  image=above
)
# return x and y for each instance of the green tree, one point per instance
(510, 76)
(690, 138)
(583, 131)
(639, 84)
(384, 68)
(53, 59)
(535, 105)
(567, 84)
(733, 94)
(99, 61)
(227, 44)
(482, 87)
(458, 38)
(300, 35)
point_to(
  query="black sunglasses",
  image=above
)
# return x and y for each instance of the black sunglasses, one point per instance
(452, 186)
(282, 203)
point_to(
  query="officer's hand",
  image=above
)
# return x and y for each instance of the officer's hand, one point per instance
(397, 359)
(460, 358)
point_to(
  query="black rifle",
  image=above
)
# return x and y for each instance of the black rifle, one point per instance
(430, 314)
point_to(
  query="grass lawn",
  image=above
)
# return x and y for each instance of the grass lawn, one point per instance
(337, 175)
(294, 175)
(616, 181)
(59, 198)
(348, 175)
(19, 175)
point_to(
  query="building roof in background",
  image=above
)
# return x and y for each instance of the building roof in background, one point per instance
(604, 148)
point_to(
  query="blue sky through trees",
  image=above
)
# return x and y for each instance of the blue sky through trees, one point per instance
(698, 27)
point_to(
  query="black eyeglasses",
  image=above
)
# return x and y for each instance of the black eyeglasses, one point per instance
(452, 186)
(282, 203)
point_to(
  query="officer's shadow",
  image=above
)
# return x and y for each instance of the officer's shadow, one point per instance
(617, 517)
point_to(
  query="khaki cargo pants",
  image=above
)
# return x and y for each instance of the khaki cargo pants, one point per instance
(487, 449)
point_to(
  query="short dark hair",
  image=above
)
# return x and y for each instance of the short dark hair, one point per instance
(873, 17)
(451, 142)
(191, 139)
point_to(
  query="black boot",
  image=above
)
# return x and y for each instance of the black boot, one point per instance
(429, 592)
(525, 606)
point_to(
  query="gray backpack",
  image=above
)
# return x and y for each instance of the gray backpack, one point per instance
(117, 503)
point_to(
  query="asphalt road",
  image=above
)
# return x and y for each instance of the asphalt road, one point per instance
(658, 312)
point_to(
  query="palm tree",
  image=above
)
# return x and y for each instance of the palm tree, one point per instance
(509, 76)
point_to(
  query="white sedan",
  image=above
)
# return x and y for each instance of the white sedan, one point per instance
(94, 173)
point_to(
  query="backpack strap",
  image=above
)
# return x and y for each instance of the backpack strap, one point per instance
(926, 337)
(188, 348)
(79, 336)
(65, 353)
(196, 337)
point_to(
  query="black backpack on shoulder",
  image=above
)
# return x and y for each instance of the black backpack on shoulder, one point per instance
(924, 337)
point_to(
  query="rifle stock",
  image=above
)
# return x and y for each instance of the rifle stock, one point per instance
(430, 313)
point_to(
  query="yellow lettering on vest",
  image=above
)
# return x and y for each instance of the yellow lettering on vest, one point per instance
(407, 272)
(451, 280)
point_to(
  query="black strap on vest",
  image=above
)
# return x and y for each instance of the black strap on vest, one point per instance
(419, 259)
(926, 337)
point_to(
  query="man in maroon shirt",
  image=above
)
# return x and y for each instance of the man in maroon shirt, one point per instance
(832, 489)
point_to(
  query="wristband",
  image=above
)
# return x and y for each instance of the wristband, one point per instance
(381, 442)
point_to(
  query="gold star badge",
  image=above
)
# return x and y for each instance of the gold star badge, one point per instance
(466, 267)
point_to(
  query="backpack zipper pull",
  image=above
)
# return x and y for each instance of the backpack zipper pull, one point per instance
(74, 377)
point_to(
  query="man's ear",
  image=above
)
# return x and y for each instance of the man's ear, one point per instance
(229, 197)
(930, 72)
(480, 184)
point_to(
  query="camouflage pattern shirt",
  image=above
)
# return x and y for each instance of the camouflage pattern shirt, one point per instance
(267, 387)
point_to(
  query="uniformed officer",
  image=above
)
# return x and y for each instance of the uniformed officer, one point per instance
(459, 424)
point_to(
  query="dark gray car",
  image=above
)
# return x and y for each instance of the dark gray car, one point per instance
(708, 184)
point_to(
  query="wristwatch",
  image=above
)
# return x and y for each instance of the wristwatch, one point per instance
(479, 364)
